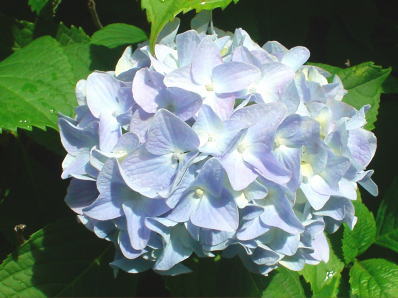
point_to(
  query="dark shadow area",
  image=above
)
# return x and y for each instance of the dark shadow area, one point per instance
(71, 261)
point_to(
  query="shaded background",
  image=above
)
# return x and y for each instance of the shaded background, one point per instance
(340, 33)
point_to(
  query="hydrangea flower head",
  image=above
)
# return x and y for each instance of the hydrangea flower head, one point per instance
(215, 144)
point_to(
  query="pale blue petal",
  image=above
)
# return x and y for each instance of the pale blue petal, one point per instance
(182, 78)
(104, 208)
(147, 87)
(184, 209)
(169, 134)
(262, 256)
(211, 177)
(130, 62)
(296, 57)
(362, 147)
(239, 174)
(242, 54)
(294, 263)
(205, 58)
(102, 93)
(186, 43)
(279, 213)
(182, 103)
(252, 229)
(281, 242)
(148, 174)
(270, 115)
(76, 166)
(316, 200)
(217, 213)
(177, 249)
(127, 143)
(296, 131)
(275, 48)
(274, 79)
(335, 208)
(80, 194)
(138, 233)
(74, 139)
(125, 246)
(140, 123)
(367, 183)
(266, 165)
(109, 132)
(232, 77)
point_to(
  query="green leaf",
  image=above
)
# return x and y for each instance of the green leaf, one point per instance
(363, 235)
(160, 12)
(387, 219)
(374, 278)
(324, 278)
(63, 259)
(285, 283)
(38, 6)
(76, 46)
(364, 85)
(118, 34)
(36, 82)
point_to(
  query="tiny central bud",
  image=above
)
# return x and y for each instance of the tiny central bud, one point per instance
(209, 87)
(198, 193)
(278, 141)
(306, 169)
(242, 147)
(210, 139)
(252, 90)
(224, 51)
(176, 157)
(120, 153)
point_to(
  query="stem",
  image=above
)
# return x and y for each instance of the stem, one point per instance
(94, 15)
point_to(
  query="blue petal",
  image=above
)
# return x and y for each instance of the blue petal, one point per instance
(278, 211)
(76, 139)
(148, 174)
(80, 194)
(252, 229)
(205, 58)
(169, 134)
(109, 132)
(178, 248)
(126, 248)
(147, 87)
(232, 77)
(138, 233)
(217, 213)
(186, 45)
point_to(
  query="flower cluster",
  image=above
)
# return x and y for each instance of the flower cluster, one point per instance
(215, 144)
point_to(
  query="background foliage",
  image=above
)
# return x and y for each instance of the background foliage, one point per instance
(47, 45)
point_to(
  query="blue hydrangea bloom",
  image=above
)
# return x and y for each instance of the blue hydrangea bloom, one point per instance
(215, 144)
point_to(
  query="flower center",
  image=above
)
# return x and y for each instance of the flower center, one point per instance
(242, 147)
(209, 87)
(306, 169)
(198, 193)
